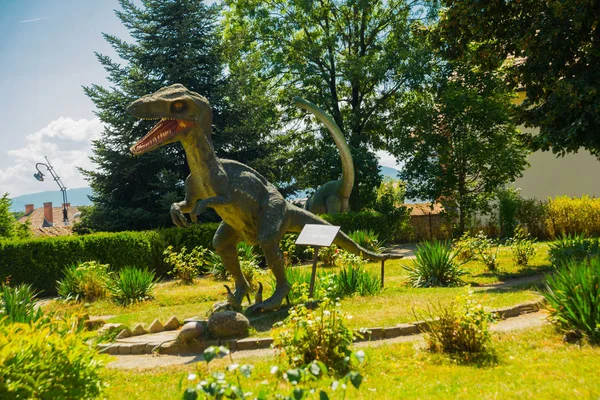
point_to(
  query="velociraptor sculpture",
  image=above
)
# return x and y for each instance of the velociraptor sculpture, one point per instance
(251, 208)
(333, 196)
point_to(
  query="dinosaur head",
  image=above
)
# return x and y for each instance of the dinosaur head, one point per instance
(178, 109)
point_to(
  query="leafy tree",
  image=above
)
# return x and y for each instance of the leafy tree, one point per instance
(354, 58)
(175, 41)
(553, 51)
(9, 227)
(462, 144)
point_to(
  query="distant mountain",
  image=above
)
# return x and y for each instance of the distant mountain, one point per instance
(77, 197)
(391, 172)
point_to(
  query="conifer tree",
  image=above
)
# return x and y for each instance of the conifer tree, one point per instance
(175, 41)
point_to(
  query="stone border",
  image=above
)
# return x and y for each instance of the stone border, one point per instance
(197, 347)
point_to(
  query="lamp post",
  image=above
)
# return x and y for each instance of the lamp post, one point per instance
(40, 177)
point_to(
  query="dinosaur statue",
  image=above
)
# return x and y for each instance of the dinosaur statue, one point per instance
(333, 196)
(251, 208)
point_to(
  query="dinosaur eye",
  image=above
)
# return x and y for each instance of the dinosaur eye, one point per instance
(178, 106)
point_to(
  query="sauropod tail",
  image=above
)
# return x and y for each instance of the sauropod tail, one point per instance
(300, 217)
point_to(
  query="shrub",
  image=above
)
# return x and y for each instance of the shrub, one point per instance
(368, 239)
(187, 266)
(573, 296)
(315, 335)
(434, 265)
(132, 285)
(508, 205)
(84, 281)
(572, 248)
(329, 255)
(354, 279)
(464, 247)
(575, 215)
(48, 360)
(230, 382)
(460, 328)
(522, 247)
(354, 221)
(41, 261)
(18, 304)
(487, 250)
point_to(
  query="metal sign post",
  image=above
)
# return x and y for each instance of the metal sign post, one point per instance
(316, 236)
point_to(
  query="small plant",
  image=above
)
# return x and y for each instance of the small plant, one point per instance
(460, 329)
(522, 247)
(368, 239)
(187, 266)
(354, 279)
(17, 304)
(464, 247)
(230, 383)
(48, 359)
(573, 248)
(434, 265)
(329, 255)
(487, 250)
(86, 281)
(131, 285)
(573, 296)
(315, 335)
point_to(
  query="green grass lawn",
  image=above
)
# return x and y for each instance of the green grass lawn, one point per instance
(531, 364)
(395, 304)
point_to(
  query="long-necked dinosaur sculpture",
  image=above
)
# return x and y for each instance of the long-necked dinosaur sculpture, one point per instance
(333, 196)
(251, 208)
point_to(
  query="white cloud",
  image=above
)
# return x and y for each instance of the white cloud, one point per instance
(386, 159)
(66, 143)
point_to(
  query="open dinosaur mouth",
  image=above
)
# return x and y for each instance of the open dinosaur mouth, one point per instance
(164, 130)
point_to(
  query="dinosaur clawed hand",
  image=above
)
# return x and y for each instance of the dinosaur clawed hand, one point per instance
(178, 217)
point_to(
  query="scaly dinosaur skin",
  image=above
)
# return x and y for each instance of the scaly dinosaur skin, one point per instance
(251, 208)
(333, 196)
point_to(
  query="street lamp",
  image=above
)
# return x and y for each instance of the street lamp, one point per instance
(40, 177)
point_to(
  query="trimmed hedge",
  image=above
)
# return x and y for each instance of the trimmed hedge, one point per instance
(363, 220)
(40, 262)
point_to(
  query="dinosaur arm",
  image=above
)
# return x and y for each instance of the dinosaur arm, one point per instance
(201, 205)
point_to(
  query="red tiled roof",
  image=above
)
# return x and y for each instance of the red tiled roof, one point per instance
(36, 218)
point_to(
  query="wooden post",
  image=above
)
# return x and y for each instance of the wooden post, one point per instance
(382, 272)
(314, 272)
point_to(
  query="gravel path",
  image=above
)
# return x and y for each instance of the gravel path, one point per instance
(525, 321)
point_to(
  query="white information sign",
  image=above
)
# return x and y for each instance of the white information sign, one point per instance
(317, 235)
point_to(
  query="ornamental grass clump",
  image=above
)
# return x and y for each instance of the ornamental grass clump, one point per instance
(460, 329)
(435, 265)
(368, 239)
(354, 279)
(573, 296)
(18, 304)
(131, 285)
(573, 248)
(85, 281)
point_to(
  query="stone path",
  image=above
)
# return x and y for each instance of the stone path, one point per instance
(522, 322)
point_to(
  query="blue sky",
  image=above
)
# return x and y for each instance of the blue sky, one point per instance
(46, 55)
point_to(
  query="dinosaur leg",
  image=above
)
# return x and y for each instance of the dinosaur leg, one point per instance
(274, 258)
(224, 242)
(333, 203)
(270, 231)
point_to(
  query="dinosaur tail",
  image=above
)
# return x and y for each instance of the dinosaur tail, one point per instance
(338, 138)
(300, 217)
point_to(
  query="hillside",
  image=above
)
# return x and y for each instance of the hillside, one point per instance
(77, 197)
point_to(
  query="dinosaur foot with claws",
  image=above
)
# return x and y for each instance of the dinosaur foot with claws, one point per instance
(273, 302)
